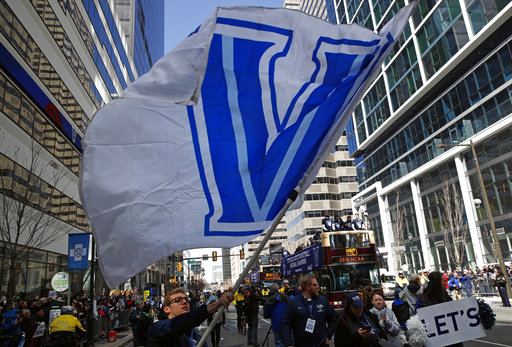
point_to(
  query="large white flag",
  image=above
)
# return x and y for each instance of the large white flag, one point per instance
(204, 150)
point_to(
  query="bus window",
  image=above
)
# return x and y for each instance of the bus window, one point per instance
(354, 277)
(338, 241)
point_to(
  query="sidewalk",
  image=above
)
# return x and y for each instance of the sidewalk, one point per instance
(503, 314)
(123, 339)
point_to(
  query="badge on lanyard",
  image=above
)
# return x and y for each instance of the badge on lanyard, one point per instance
(310, 325)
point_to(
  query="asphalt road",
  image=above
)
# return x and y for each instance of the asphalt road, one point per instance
(499, 336)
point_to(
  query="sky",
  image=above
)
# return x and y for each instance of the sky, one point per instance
(183, 17)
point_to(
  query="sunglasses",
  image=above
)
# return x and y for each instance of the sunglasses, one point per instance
(179, 299)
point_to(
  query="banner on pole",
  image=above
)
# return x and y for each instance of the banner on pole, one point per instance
(78, 251)
(307, 260)
(451, 322)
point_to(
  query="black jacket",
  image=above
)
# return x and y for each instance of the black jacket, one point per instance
(143, 327)
(251, 307)
(296, 315)
(346, 331)
(175, 332)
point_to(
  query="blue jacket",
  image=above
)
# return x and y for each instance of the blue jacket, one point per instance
(466, 281)
(296, 316)
(454, 283)
(274, 308)
(176, 332)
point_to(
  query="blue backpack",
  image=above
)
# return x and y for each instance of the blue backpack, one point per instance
(10, 317)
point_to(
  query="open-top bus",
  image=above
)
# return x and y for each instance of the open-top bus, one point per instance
(344, 262)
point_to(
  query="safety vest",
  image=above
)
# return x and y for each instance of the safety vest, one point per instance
(238, 297)
(65, 323)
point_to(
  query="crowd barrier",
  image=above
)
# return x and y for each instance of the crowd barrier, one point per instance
(483, 287)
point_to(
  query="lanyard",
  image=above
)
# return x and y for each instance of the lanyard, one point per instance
(309, 304)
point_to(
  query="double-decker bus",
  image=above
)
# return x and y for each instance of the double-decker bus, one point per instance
(344, 262)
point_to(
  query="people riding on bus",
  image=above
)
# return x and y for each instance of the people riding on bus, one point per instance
(327, 222)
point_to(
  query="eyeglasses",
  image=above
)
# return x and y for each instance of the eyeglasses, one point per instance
(179, 299)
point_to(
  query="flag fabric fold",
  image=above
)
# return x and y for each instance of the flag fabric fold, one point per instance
(204, 149)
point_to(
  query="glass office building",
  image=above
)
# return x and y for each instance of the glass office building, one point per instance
(60, 61)
(446, 82)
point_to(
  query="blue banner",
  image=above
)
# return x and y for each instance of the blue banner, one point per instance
(307, 260)
(254, 276)
(78, 251)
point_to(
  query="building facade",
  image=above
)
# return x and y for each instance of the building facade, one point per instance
(447, 82)
(60, 61)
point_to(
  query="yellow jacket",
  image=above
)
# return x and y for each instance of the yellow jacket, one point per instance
(238, 297)
(402, 282)
(65, 323)
(281, 290)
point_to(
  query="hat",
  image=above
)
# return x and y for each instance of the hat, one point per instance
(286, 281)
(66, 309)
(138, 303)
(355, 300)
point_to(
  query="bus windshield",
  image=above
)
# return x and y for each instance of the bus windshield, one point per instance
(352, 277)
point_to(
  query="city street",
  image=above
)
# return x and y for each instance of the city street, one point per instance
(499, 336)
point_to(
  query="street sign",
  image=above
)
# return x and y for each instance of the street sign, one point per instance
(191, 261)
(60, 281)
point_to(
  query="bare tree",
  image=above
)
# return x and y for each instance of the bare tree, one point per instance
(28, 197)
(197, 285)
(398, 216)
(455, 232)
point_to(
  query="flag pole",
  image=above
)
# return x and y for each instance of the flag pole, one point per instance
(291, 198)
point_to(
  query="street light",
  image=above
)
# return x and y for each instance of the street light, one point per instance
(488, 210)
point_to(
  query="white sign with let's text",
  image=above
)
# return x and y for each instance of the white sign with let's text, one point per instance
(452, 322)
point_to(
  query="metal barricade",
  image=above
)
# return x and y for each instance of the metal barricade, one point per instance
(484, 287)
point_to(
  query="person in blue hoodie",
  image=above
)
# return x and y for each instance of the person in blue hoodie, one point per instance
(274, 309)
(465, 280)
(309, 320)
(177, 330)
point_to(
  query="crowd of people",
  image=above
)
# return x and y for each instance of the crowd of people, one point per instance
(299, 316)
(27, 322)
(485, 282)
(335, 223)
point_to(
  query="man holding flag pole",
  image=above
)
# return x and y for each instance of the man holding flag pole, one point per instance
(231, 126)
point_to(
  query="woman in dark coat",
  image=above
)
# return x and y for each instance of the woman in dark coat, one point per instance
(144, 324)
(356, 326)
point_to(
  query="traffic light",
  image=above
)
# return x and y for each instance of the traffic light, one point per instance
(180, 267)
(214, 256)
(242, 254)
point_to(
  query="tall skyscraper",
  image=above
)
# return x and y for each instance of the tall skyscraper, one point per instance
(446, 82)
(60, 61)
(335, 183)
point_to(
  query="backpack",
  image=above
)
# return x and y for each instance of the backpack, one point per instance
(401, 311)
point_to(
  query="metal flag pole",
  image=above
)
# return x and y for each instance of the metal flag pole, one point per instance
(90, 314)
(291, 198)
